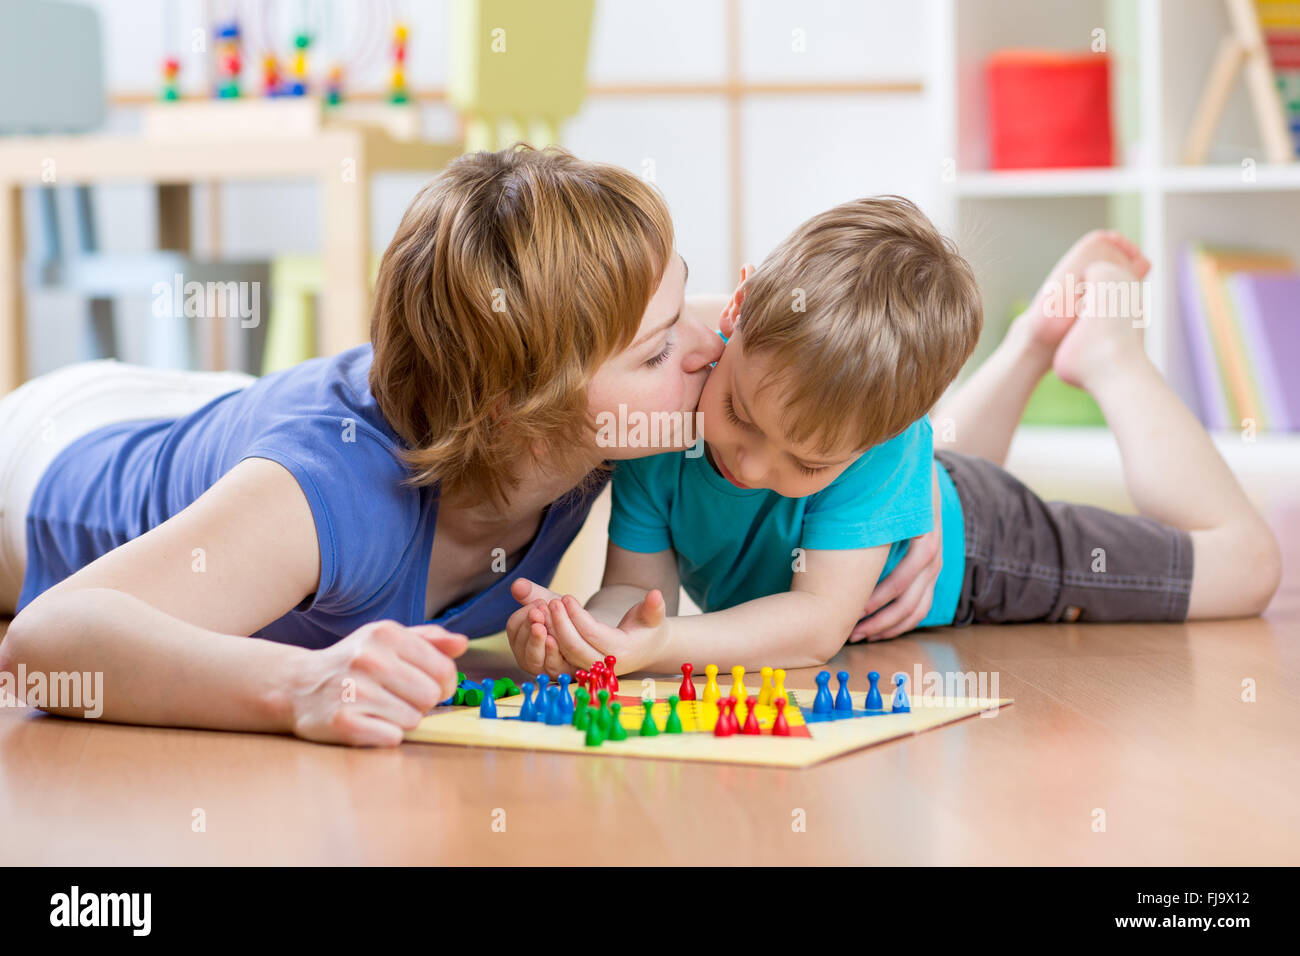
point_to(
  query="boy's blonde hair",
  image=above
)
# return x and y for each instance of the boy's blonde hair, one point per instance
(513, 276)
(869, 314)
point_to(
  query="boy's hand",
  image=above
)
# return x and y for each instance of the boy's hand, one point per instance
(902, 599)
(635, 642)
(528, 630)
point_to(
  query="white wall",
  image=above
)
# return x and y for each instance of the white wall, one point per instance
(801, 154)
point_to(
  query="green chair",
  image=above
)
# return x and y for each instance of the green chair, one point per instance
(519, 68)
(291, 334)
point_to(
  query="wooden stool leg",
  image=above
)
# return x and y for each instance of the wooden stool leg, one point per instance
(1215, 96)
(13, 332)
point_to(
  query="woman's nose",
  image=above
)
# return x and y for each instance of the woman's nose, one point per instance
(706, 347)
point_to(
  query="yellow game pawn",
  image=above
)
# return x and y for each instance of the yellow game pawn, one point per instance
(765, 691)
(711, 689)
(738, 684)
(778, 692)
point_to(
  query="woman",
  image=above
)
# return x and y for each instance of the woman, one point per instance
(154, 520)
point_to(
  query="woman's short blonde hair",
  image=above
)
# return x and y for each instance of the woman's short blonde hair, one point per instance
(513, 276)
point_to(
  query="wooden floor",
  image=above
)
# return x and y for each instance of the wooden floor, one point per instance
(1145, 724)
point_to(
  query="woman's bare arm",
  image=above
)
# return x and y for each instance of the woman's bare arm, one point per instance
(164, 619)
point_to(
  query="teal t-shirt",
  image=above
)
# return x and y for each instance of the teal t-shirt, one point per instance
(737, 544)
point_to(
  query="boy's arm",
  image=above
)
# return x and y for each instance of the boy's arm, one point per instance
(803, 627)
(629, 577)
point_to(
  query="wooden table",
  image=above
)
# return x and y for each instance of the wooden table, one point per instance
(340, 158)
(1145, 723)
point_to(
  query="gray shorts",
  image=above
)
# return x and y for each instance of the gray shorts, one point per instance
(1034, 560)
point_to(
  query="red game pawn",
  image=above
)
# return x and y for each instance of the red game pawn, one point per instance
(687, 691)
(610, 661)
(723, 727)
(779, 726)
(751, 718)
(582, 677)
(598, 676)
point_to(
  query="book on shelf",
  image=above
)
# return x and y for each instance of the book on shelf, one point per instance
(1268, 309)
(1279, 22)
(1241, 321)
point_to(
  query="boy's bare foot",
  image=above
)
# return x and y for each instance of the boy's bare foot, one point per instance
(1106, 336)
(1047, 320)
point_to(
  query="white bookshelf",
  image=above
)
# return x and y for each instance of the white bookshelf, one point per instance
(1013, 225)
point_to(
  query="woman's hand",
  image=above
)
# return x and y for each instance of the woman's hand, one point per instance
(635, 642)
(375, 684)
(902, 599)
(529, 630)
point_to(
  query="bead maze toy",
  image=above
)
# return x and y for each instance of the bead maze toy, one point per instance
(295, 101)
(288, 74)
(775, 726)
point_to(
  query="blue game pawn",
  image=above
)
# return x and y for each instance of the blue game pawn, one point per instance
(843, 702)
(566, 699)
(554, 708)
(542, 682)
(874, 703)
(901, 704)
(489, 706)
(528, 711)
(822, 703)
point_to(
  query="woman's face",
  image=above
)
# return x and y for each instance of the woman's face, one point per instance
(662, 371)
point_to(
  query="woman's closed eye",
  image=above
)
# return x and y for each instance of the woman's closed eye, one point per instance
(662, 357)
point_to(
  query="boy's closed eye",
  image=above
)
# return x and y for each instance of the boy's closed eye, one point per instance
(736, 420)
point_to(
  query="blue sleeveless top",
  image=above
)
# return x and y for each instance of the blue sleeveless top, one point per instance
(319, 420)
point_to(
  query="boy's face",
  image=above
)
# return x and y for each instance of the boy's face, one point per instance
(743, 435)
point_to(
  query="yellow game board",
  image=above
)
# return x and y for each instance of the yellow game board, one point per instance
(462, 726)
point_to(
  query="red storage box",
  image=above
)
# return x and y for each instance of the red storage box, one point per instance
(1048, 110)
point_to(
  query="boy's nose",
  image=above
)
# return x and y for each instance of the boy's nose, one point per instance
(750, 468)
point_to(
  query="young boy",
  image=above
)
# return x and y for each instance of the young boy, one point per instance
(819, 460)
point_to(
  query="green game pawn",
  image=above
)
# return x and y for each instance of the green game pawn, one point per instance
(648, 726)
(674, 725)
(473, 697)
(595, 736)
(616, 729)
(505, 687)
(581, 714)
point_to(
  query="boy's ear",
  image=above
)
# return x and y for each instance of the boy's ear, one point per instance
(731, 313)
